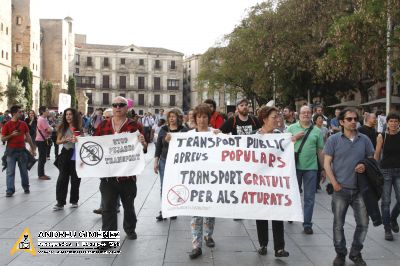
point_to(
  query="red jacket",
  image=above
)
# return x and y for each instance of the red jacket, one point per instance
(216, 120)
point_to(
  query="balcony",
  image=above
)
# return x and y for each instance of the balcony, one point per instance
(85, 85)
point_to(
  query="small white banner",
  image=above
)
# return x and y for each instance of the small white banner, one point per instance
(248, 177)
(109, 156)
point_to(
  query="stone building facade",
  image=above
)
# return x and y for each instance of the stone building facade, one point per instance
(194, 94)
(26, 42)
(5, 49)
(151, 77)
(58, 50)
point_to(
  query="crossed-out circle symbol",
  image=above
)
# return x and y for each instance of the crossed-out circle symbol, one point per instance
(91, 153)
(178, 195)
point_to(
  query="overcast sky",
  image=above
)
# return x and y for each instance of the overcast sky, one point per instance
(187, 26)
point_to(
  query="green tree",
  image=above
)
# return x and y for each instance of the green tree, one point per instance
(25, 76)
(42, 92)
(16, 93)
(49, 94)
(72, 91)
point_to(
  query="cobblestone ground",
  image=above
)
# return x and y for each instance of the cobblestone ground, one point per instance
(168, 242)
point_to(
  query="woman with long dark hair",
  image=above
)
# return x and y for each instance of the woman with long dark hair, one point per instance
(174, 124)
(68, 131)
(31, 121)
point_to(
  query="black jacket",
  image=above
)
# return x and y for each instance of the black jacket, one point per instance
(370, 185)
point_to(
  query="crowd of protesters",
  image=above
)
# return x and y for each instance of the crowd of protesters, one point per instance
(333, 149)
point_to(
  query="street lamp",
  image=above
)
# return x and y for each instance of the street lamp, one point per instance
(267, 64)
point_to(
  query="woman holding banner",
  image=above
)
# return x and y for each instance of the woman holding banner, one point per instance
(174, 124)
(68, 131)
(269, 117)
(202, 115)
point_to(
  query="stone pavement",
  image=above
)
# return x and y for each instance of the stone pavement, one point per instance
(168, 242)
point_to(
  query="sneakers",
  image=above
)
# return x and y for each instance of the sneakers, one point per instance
(98, 211)
(27, 191)
(340, 260)
(58, 207)
(44, 177)
(308, 231)
(395, 226)
(74, 205)
(209, 241)
(9, 194)
(358, 260)
(388, 235)
(132, 236)
(262, 250)
(281, 253)
(195, 253)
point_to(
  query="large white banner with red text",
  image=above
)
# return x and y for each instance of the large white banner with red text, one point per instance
(218, 175)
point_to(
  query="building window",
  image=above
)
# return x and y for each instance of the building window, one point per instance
(85, 82)
(6, 30)
(122, 61)
(140, 112)
(172, 100)
(1, 27)
(6, 55)
(122, 82)
(106, 81)
(105, 62)
(89, 61)
(2, 54)
(157, 83)
(77, 70)
(106, 99)
(156, 100)
(77, 59)
(90, 100)
(141, 83)
(19, 20)
(173, 84)
(157, 65)
(173, 66)
(141, 62)
(18, 48)
(141, 100)
(122, 95)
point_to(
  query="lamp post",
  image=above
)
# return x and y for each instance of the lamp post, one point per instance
(266, 64)
(388, 59)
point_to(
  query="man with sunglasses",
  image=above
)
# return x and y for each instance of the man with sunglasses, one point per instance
(123, 186)
(343, 151)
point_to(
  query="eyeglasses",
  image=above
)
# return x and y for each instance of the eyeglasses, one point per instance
(120, 105)
(349, 119)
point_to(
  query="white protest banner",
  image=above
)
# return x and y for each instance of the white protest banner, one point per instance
(64, 102)
(109, 156)
(249, 177)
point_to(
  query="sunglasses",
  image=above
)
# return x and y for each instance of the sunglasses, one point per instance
(349, 119)
(120, 105)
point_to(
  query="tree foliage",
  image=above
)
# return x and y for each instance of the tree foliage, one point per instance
(26, 78)
(48, 94)
(72, 91)
(16, 93)
(329, 47)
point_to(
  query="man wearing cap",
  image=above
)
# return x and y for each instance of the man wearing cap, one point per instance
(124, 186)
(242, 123)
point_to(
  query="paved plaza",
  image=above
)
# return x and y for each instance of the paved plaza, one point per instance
(168, 242)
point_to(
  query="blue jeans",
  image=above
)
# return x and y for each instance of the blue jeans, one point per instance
(161, 169)
(395, 211)
(391, 178)
(340, 203)
(14, 156)
(308, 178)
